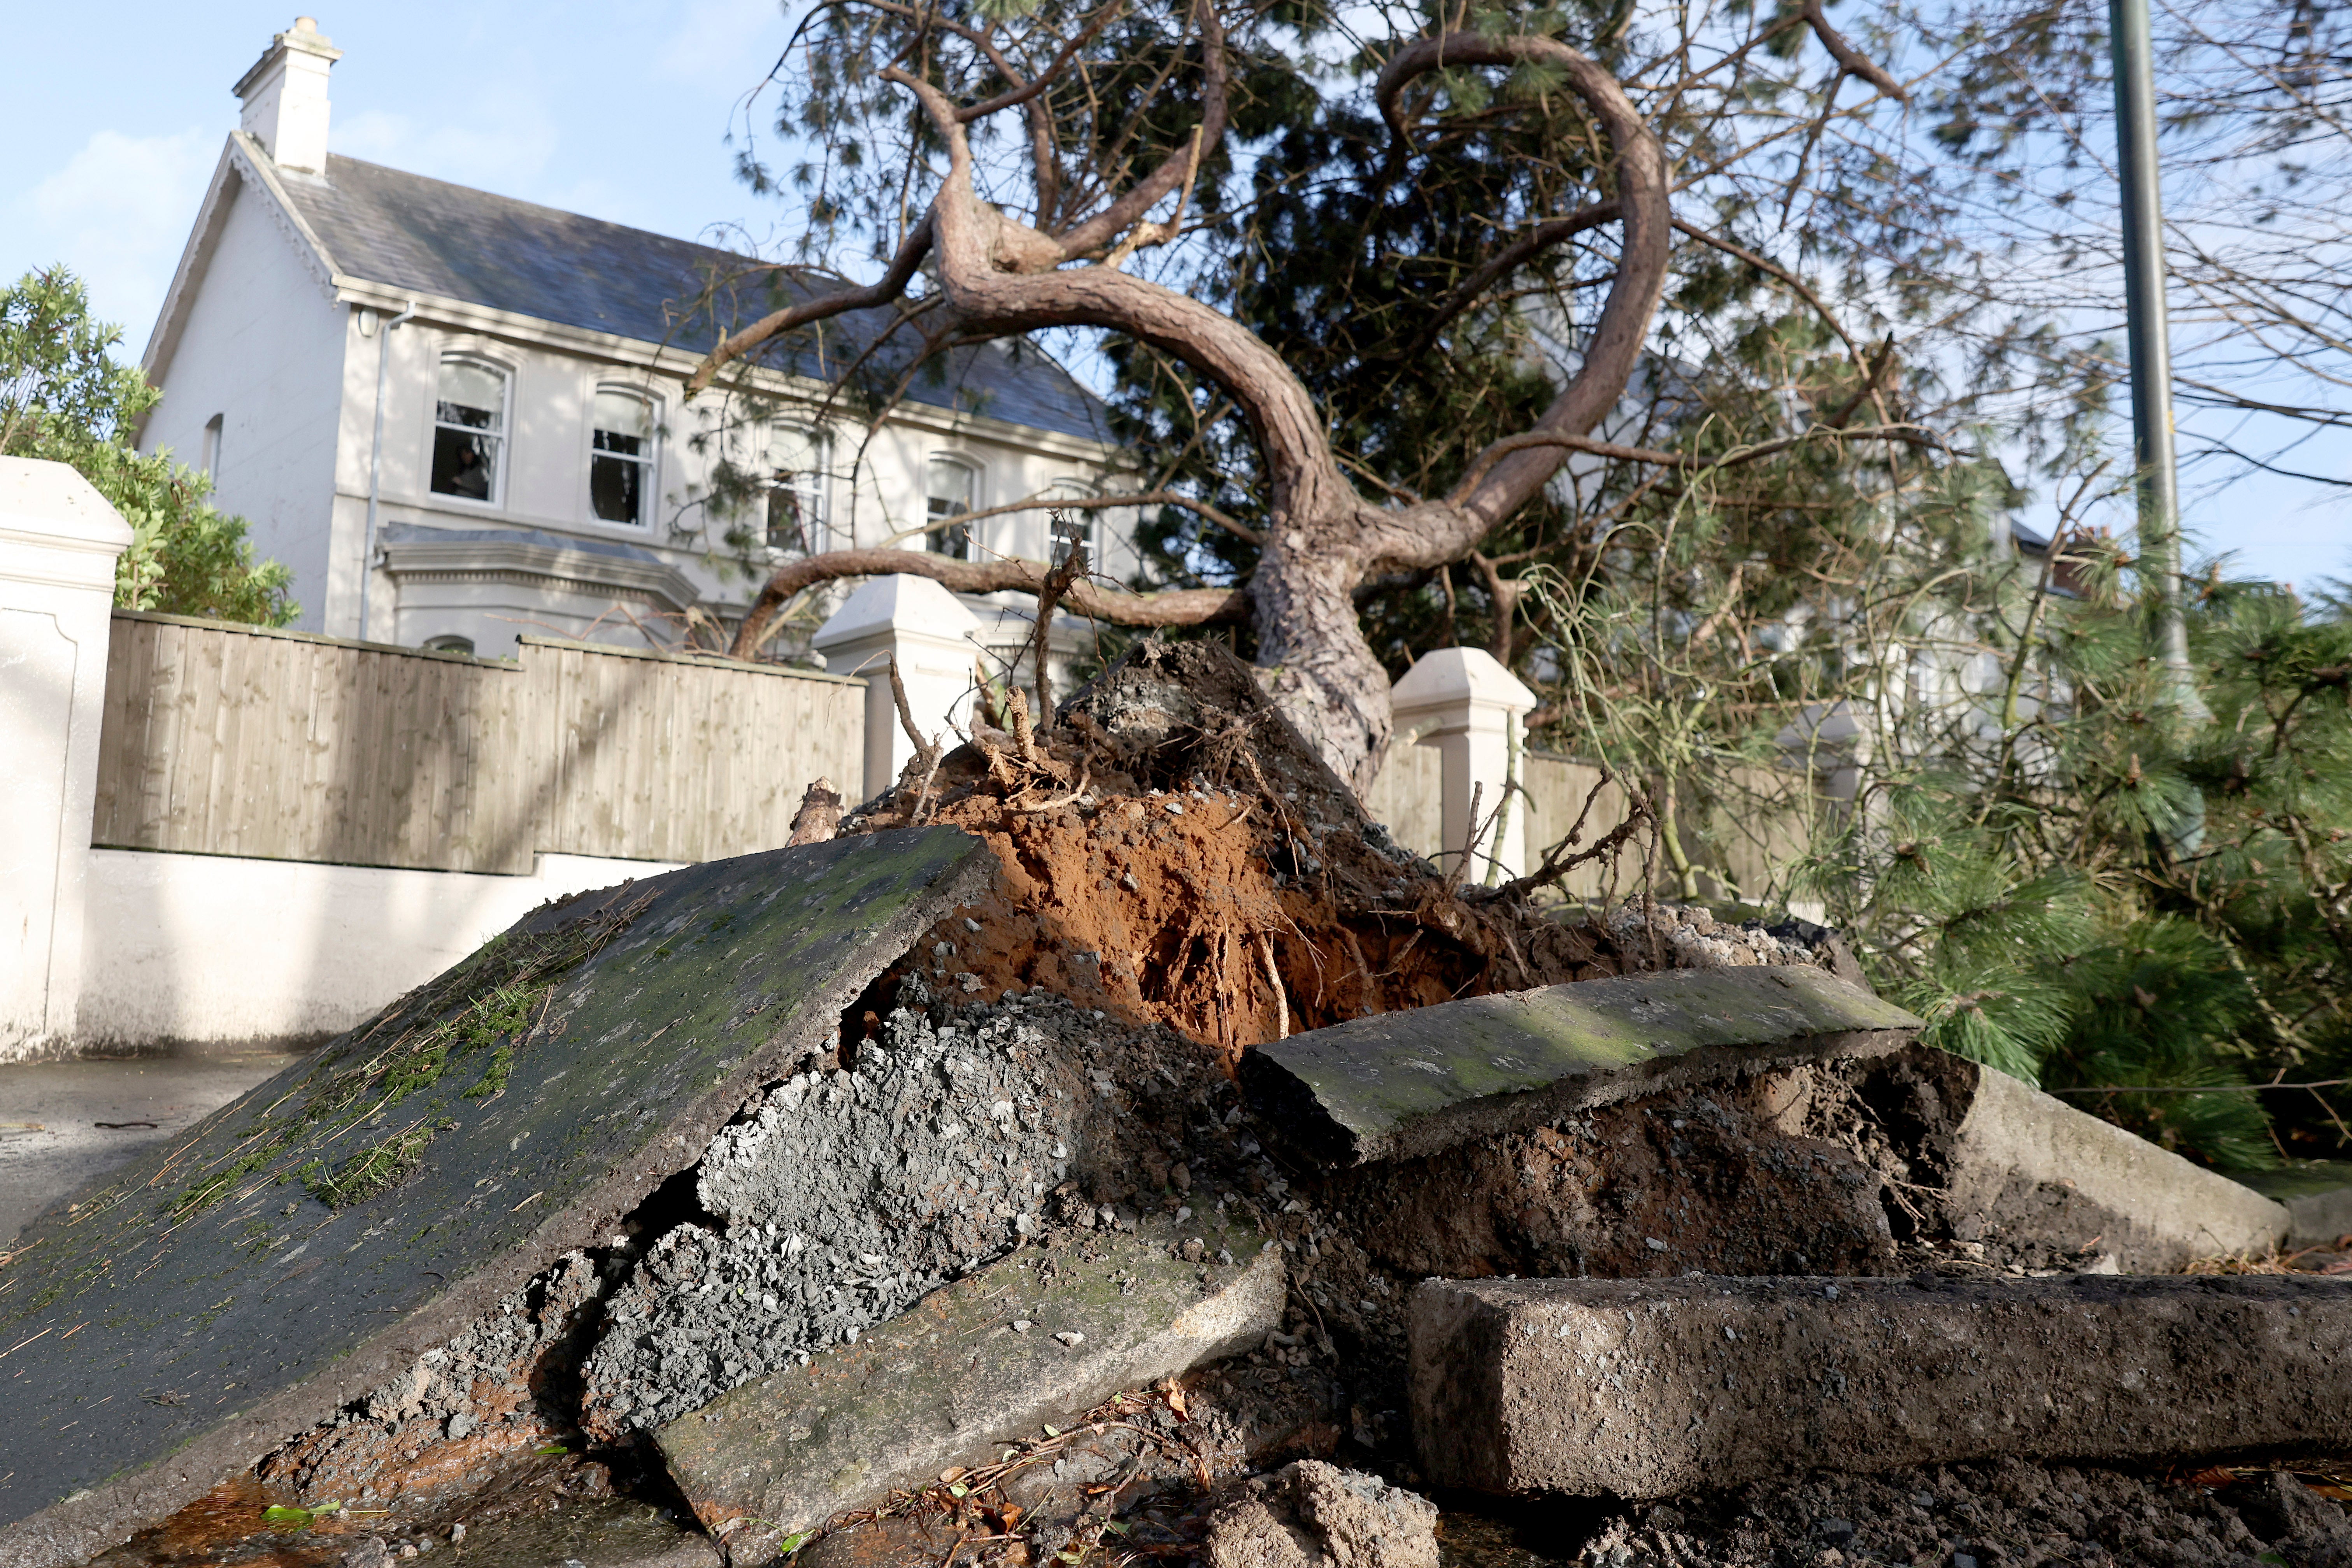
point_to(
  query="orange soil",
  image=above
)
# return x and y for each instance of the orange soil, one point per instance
(1181, 904)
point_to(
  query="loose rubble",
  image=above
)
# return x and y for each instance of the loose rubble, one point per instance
(1314, 1515)
(2011, 1514)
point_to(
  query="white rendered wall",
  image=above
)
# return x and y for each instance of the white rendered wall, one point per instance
(263, 347)
(196, 950)
(58, 543)
(544, 483)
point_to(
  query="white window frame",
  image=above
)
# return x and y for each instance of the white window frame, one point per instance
(816, 530)
(503, 436)
(978, 501)
(650, 463)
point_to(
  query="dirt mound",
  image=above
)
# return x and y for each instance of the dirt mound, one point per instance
(2006, 1513)
(1175, 853)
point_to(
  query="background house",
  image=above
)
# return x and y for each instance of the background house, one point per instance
(459, 417)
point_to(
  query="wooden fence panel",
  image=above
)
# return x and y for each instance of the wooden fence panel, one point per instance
(1408, 796)
(654, 757)
(241, 741)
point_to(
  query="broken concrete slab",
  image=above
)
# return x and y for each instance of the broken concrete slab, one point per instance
(1654, 1388)
(2318, 1196)
(2025, 1163)
(1039, 1337)
(1401, 1085)
(240, 1287)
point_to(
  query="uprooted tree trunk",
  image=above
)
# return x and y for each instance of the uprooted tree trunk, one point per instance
(998, 277)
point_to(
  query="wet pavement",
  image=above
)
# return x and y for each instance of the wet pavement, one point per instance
(65, 1123)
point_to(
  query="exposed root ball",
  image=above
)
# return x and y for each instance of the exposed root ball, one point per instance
(1173, 852)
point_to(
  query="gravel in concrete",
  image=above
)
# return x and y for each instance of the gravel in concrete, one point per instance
(1654, 1388)
(843, 1198)
(64, 1125)
(1400, 1085)
(1037, 1338)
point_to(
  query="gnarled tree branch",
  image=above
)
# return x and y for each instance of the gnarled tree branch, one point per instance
(1613, 347)
(1177, 607)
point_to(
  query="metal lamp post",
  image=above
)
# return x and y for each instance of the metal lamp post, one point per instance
(2157, 485)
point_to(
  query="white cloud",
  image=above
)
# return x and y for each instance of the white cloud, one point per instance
(505, 149)
(117, 213)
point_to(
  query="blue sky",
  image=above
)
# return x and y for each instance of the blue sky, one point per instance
(116, 115)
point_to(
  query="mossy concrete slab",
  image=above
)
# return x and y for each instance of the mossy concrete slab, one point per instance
(1040, 1337)
(1400, 1085)
(234, 1286)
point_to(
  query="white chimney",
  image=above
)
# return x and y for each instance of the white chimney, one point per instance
(285, 97)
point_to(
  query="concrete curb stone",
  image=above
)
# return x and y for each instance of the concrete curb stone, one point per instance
(2318, 1198)
(1648, 1388)
(215, 1277)
(2027, 1164)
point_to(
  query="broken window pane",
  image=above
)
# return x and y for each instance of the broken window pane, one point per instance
(948, 495)
(620, 466)
(796, 491)
(469, 421)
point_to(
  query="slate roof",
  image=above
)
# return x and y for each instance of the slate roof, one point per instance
(408, 232)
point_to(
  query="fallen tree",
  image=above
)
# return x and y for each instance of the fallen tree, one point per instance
(1099, 90)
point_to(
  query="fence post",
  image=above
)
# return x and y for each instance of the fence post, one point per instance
(1464, 703)
(930, 632)
(58, 542)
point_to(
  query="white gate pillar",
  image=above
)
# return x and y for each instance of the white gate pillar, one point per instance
(58, 542)
(1470, 708)
(930, 632)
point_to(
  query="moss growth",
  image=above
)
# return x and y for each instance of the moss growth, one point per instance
(490, 1002)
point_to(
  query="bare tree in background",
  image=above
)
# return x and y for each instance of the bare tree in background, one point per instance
(2255, 101)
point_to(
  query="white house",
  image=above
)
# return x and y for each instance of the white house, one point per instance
(459, 417)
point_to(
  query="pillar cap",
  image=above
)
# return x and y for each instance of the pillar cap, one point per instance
(1457, 677)
(51, 504)
(899, 608)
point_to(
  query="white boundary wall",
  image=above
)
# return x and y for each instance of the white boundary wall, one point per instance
(194, 950)
(58, 542)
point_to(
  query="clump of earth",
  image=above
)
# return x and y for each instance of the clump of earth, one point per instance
(2007, 1515)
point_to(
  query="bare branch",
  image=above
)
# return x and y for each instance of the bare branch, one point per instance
(1096, 503)
(1766, 264)
(1509, 259)
(1176, 607)
(1854, 60)
(893, 283)
(1178, 167)
(1614, 346)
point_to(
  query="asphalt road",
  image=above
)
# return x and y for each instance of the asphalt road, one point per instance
(64, 1124)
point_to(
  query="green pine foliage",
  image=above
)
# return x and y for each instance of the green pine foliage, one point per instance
(65, 398)
(2144, 909)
